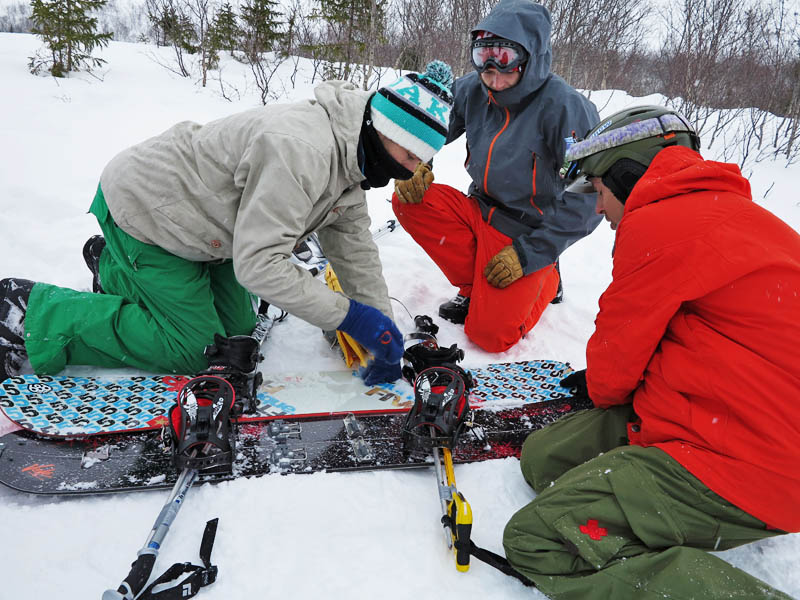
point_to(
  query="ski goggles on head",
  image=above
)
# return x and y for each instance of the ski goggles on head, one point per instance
(504, 55)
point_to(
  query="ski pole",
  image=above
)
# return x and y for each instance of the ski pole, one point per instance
(457, 519)
(142, 567)
(387, 227)
(460, 515)
(445, 492)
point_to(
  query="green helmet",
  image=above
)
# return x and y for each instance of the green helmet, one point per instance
(637, 134)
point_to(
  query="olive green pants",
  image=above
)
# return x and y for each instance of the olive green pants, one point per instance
(158, 313)
(613, 521)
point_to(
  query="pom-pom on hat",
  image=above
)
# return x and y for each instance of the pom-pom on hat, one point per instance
(414, 111)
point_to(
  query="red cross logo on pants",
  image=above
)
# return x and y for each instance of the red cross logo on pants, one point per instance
(593, 530)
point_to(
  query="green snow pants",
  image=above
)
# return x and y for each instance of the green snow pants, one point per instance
(158, 313)
(613, 521)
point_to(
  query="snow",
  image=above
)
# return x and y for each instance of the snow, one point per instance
(357, 535)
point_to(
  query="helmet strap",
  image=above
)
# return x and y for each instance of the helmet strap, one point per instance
(623, 176)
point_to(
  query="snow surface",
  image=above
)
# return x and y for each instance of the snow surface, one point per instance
(360, 535)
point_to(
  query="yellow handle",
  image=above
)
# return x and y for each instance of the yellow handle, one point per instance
(460, 513)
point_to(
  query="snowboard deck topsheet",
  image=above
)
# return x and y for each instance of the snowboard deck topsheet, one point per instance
(65, 406)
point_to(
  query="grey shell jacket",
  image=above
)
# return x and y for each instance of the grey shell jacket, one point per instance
(516, 143)
(249, 187)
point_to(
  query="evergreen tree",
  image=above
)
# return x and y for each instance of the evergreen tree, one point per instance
(69, 33)
(261, 26)
(173, 26)
(226, 31)
(354, 31)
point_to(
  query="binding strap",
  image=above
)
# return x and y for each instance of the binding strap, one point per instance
(198, 576)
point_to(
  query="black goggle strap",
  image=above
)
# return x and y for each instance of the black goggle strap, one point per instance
(198, 576)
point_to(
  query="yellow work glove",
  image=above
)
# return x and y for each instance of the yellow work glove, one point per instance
(504, 268)
(354, 354)
(411, 191)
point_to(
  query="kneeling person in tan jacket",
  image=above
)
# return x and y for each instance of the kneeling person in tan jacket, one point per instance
(201, 218)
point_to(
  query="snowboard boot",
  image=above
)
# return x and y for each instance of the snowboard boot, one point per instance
(92, 250)
(559, 298)
(236, 359)
(455, 310)
(14, 294)
(239, 352)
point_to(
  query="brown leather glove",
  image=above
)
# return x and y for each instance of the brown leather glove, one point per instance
(411, 191)
(504, 268)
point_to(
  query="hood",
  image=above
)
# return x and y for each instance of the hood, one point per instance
(678, 170)
(345, 104)
(528, 24)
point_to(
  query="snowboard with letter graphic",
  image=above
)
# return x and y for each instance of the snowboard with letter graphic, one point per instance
(69, 406)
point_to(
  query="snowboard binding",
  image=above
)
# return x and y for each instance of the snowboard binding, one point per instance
(422, 351)
(441, 390)
(441, 406)
(200, 425)
(235, 359)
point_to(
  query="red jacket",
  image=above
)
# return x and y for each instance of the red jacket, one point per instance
(700, 329)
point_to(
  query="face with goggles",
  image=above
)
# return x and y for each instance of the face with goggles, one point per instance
(499, 62)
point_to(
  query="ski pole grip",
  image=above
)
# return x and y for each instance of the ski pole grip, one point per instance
(140, 572)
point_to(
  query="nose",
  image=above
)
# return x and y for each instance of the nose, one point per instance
(598, 207)
(493, 80)
(410, 164)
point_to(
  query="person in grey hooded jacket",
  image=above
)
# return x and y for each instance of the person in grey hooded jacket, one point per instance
(201, 218)
(500, 243)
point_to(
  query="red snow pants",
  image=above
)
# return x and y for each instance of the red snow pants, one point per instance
(449, 227)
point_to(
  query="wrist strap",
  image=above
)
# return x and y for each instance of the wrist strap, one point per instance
(198, 576)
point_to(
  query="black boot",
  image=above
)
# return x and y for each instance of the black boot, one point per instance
(239, 352)
(92, 250)
(455, 310)
(236, 359)
(14, 295)
(559, 298)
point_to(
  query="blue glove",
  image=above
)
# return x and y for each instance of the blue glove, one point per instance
(375, 331)
(379, 371)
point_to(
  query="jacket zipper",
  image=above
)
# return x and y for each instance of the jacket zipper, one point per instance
(533, 186)
(491, 146)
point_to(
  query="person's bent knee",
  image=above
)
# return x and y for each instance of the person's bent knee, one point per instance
(536, 550)
(491, 336)
(555, 449)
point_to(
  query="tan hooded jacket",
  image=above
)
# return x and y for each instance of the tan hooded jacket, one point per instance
(250, 187)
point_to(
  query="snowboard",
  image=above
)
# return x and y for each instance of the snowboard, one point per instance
(344, 442)
(65, 406)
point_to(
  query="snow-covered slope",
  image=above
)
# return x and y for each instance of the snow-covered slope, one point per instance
(331, 535)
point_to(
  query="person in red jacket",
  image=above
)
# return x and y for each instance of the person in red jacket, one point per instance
(693, 371)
